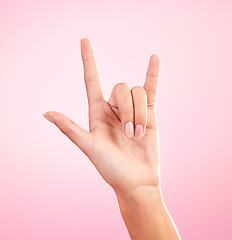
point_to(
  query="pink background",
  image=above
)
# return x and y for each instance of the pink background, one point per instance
(48, 188)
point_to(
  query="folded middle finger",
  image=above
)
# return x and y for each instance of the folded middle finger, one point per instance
(121, 98)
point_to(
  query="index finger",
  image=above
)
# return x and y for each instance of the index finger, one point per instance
(150, 84)
(91, 76)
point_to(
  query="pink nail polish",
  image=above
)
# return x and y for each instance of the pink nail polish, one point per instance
(129, 129)
(139, 130)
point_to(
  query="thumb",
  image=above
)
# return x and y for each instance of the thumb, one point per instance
(76, 134)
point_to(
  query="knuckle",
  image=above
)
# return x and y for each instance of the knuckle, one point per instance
(88, 58)
(140, 120)
(138, 89)
(151, 93)
(127, 118)
(92, 77)
(70, 124)
(153, 74)
(67, 126)
(121, 86)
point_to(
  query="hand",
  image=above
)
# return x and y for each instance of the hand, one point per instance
(126, 160)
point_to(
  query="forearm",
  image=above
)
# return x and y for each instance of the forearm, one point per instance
(146, 216)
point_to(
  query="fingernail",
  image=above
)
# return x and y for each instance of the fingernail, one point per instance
(82, 37)
(139, 130)
(48, 117)
(129, 129)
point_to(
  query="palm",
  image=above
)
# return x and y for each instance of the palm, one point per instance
(123, 162)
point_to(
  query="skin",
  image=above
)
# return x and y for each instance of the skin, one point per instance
(127, 161)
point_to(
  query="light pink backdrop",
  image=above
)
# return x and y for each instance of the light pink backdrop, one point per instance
(48, 187)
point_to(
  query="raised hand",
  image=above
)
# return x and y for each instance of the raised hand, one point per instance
(123, 145)
(122, 141)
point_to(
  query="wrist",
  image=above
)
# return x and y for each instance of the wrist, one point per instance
(140, 196)
(145, 214)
